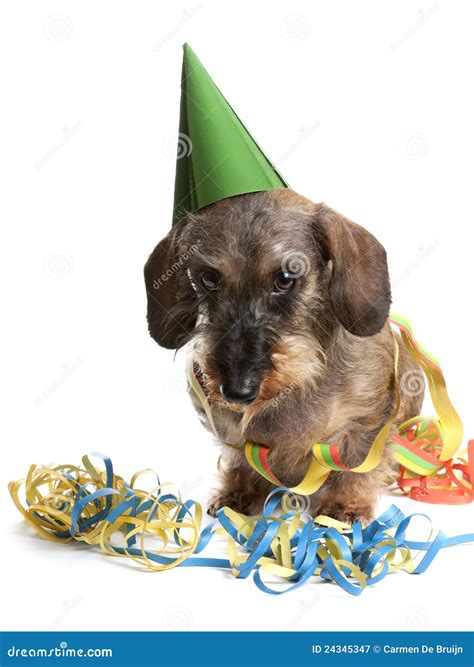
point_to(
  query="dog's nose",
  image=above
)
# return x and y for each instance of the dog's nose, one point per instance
(245, 392)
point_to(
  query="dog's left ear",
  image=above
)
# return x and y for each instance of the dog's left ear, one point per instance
(172, 303)
(360, 286)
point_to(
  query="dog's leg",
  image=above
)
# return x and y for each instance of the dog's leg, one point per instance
(349, 496)
(241, 489)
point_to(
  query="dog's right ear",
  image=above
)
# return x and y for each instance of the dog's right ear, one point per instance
(360, 287)
(172, 302)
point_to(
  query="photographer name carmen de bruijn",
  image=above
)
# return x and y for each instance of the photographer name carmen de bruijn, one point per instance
(454, 649)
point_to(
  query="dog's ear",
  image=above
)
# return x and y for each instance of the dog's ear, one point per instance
(360, 286)
(172, 302)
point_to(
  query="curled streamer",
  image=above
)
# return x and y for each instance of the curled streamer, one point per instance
(157, 530)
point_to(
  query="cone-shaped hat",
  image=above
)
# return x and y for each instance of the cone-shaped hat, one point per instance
(217, 157)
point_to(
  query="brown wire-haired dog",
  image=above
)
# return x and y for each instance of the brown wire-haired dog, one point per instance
(286, 304)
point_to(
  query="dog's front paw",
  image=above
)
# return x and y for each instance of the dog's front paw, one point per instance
(235, 500)
(348, 513)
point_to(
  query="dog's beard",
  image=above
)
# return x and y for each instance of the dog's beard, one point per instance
(298, 362)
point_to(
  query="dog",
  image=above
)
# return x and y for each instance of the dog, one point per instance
(284, 303)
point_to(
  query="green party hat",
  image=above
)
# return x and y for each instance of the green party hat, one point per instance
(217, 157)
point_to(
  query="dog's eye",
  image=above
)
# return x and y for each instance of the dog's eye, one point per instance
(283, 282)
(210, 279)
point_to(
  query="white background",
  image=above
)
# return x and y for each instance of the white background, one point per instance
(367, 106)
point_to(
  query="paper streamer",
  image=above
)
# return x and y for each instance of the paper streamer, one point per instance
(158, 530)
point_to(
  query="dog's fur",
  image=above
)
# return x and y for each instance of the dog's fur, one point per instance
(320, 356)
